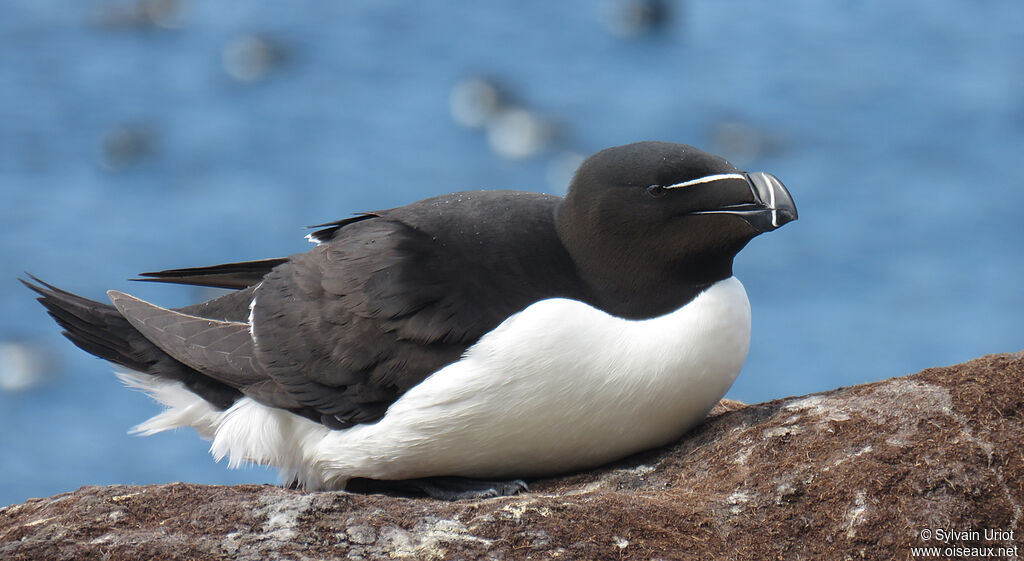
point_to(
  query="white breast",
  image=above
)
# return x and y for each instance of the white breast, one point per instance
(560, 386)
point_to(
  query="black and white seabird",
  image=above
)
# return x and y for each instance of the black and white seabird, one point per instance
(482, 334)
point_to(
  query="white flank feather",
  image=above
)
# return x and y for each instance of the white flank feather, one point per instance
(558, 387)
(184, 408)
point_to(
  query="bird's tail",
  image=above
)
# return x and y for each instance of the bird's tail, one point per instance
(101, 330)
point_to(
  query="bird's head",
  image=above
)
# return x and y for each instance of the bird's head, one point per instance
(657, 213)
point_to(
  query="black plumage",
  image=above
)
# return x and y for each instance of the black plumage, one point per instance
(387, 298)
(384, 302)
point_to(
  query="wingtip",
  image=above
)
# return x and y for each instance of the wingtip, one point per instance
(355, 216)
(328, 228)
(164, 273)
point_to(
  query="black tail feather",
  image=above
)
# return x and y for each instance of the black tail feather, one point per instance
(90, 323)
(99, 329)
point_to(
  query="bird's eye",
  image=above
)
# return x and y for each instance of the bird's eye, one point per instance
(656, 191)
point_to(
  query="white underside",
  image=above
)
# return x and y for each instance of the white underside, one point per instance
(561, 386)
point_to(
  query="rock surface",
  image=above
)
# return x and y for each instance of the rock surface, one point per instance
(864, 472)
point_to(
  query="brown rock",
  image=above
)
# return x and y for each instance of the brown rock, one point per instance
(854, 473)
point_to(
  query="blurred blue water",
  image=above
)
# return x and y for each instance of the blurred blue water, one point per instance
(898, 128)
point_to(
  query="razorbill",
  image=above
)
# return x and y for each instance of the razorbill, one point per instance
(484, 335)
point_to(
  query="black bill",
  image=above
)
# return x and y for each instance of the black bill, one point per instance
(772, 207)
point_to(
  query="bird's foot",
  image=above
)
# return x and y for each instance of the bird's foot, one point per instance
(444, 488)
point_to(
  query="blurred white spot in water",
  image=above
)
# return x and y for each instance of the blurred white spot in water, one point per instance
(475, 101)
(632, 18)
(168, 14)
(23, 366)
(519, 133)
(561, 169)
(250, 57)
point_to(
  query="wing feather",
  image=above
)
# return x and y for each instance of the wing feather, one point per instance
(392, 297)
(337, 334)
(222, 350)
